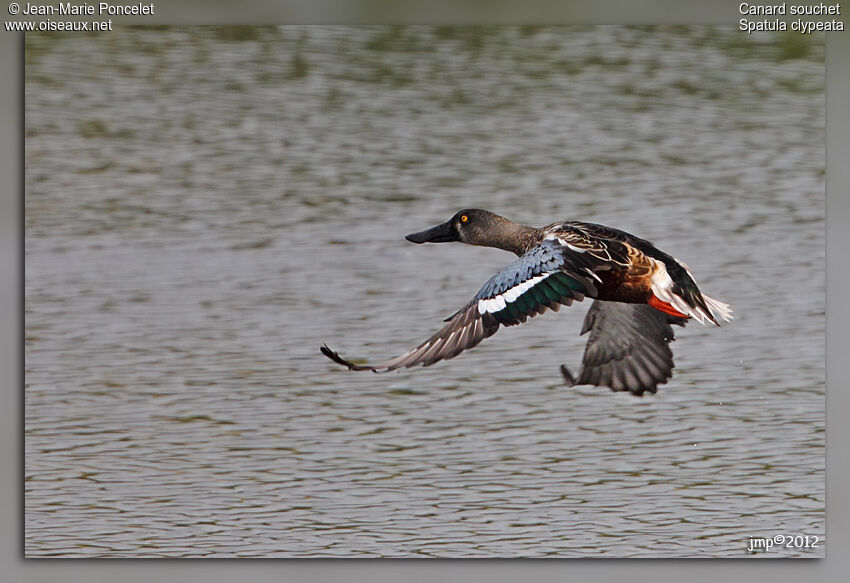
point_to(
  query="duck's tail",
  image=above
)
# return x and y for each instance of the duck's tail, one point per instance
(719, 308)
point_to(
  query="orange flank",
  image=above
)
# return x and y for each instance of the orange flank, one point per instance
(665, 307)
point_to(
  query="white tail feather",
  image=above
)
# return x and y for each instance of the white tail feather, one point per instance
(719, 308)
(662, 288)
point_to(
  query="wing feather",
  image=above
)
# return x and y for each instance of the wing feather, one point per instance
(628, 348)
(547, 276)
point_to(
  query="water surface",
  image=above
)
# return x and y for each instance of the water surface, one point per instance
(205, 207)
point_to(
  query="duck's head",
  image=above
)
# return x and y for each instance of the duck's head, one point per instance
(467, 226)
(473, 227)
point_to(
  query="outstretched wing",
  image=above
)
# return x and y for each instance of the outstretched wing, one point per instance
(628, 347)
(546, 277)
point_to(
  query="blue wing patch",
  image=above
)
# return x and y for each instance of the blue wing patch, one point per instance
(546, 257)
(545, 277)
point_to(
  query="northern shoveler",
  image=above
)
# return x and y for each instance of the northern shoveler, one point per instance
(638, 292)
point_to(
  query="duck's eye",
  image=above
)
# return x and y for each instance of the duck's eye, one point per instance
(464, 219)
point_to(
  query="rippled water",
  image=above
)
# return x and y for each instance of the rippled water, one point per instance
(205, 207)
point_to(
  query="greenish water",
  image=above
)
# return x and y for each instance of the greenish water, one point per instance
(206, 206)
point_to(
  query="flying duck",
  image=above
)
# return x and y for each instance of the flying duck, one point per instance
(638, 292)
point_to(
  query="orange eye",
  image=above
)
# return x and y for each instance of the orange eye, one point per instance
(464, 219)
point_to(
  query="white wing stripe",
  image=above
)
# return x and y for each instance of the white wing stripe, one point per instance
(500, 301)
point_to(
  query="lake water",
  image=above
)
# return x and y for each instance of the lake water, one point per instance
(205, 207)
